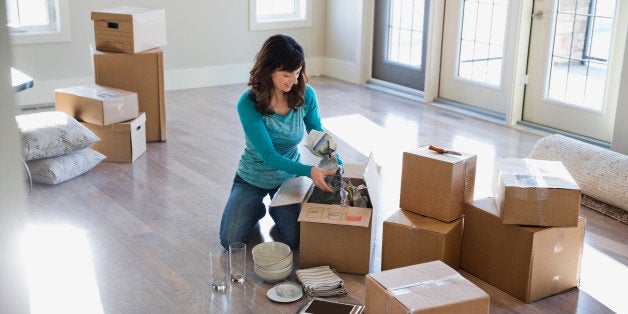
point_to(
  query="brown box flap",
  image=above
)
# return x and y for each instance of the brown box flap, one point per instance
(447, 158)
(121, 127)
(296, 190)
(410, 219)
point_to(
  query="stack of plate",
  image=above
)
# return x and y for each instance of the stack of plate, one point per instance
(272, 261)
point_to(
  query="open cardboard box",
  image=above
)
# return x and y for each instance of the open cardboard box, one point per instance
(333, 235)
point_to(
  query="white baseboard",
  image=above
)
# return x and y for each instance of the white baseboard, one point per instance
(175, 79)
(42, 92)
(341, 70)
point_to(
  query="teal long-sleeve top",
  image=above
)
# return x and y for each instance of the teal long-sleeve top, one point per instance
(271, 154)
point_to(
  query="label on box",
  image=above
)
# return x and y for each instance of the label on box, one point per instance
(335, 214)
(105, 94)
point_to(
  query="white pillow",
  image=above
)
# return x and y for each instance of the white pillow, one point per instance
(52, 133)
(58, 169)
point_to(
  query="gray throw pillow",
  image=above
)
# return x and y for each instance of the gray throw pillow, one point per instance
(54, 170)
(52, 133)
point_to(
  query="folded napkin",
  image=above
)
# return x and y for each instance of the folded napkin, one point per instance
(321, 281)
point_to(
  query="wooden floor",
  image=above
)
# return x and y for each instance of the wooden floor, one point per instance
(148, 227)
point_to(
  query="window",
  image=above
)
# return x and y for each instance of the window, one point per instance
(37, 21)
(275, 14)
(582, 47)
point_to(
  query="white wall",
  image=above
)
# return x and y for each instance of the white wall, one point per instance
(620, 130)
(343, 39)
(13, 291)
(209, 43)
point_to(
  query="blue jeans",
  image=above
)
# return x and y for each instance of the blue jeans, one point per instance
(245, 208)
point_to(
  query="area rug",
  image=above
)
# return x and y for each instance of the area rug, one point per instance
(606, 209)
(602, 174)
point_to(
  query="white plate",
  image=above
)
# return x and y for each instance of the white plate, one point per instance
(272, 293)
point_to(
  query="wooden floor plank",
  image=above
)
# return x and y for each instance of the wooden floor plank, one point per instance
(152, 223)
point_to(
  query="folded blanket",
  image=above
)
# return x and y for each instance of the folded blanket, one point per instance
(321, 281)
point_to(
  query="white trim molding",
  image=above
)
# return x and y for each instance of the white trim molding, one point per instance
(342, 70)
(176, 79)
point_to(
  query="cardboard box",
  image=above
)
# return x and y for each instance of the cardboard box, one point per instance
(409, 239)
(129, 29)
(436, 185)
(121, 142)
(528, 263)
(97, 104)
(431, 287)
(142, 73)
(535, 192)
(333, 235)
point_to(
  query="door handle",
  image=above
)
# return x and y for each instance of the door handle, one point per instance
(538, 15)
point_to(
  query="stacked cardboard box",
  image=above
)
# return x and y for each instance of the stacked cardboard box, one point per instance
(527, 241)
(128, 70)
(526, 262)
(129, 29)
(121, 142)
(412, 239)
(129, 58)
(535, 192)
(109, 113)
(434, 187)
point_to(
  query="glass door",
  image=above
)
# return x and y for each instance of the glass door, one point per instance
(574, 65)
(477, 57)
(399, 42)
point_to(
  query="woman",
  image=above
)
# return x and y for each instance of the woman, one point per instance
(274, 113)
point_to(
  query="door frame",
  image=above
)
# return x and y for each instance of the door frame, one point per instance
(515, 104)
(523, 22)
(394, 72)
(544, 111)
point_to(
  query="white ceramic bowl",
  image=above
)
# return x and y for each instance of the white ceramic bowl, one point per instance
(281, 264)
(274, 275)
(272, 255)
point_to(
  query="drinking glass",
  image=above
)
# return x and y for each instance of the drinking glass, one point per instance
(218, 269)
(237, 261)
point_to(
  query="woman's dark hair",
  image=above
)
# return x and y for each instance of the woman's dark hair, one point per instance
(279, 53)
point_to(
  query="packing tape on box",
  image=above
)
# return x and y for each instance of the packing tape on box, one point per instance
(453, 279)
(406, 289)
(540, 195)
(556, 283)
(502, 192)
(558, 246)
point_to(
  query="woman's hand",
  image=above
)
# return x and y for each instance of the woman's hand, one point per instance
(318, 176)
